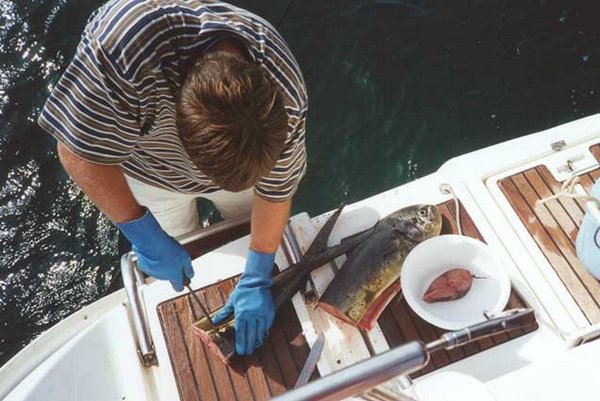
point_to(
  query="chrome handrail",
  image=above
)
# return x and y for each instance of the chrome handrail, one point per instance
(404, 359)
(362, 376)
(132, 279)
(290, 246)
(293, 254)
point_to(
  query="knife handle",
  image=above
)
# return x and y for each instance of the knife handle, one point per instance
(186, 279)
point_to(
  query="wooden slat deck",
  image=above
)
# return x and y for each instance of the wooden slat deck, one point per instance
(554, 227)
(276, 366)
(202, 376)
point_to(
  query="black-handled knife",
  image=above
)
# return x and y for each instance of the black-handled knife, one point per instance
(186, 284)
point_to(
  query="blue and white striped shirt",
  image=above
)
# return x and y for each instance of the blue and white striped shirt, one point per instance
(115, 103)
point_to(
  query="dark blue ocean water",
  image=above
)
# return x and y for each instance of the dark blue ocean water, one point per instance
(396, 88)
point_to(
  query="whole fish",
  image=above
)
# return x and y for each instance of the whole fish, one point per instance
(221, 339)
(370, 277)
(412, 225)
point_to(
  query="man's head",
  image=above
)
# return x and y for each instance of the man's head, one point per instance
(231, 119)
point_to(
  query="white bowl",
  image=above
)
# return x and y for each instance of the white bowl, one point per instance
(435, 256)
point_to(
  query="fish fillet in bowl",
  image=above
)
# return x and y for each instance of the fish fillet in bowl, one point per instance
(430, 259)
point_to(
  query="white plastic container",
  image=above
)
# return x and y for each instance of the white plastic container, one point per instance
(435, 256)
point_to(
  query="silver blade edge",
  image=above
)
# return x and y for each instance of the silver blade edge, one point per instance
(311, 361)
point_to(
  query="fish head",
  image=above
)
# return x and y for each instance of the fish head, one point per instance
(418, 222)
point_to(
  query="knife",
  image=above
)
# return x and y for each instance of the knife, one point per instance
(311, 361)
(186, 284)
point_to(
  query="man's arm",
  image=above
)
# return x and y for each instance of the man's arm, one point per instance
(159, 255)
(104, 185)
(251, 301)
(267, 224)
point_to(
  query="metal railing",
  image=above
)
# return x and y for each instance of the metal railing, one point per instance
(358, 378)
(133, 279)
(403, 360)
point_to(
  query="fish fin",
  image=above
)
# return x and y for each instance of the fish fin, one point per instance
(319, 244)
(347, 245)
(292, 279)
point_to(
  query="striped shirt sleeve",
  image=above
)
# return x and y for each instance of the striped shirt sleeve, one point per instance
(92, 109)
(285, 177)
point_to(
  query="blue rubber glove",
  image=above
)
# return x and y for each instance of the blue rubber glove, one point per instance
(587, 243)
(252, 303)
(159, 255)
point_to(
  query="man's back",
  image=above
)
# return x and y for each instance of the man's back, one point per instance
(115, 104)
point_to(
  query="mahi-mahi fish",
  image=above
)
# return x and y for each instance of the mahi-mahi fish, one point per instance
(370, 277)
(412, 224)
(221, 339)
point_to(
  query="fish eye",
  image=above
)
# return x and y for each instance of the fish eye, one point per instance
(422, 213)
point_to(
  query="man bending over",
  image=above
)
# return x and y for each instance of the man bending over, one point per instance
(169, 100)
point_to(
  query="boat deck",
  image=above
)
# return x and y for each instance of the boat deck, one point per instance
(200, 375)
(400, 324)
(554, 227)
(276, 366)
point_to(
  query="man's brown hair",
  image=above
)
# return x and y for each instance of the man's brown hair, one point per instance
(231, 120)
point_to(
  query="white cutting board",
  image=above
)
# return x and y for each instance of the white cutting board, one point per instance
(344, 344)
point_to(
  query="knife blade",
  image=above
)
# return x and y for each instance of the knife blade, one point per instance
(186, 284)
(311, 361)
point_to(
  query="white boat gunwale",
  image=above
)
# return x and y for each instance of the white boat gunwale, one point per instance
(473, 177)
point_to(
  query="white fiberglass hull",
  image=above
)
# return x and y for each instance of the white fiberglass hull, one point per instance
(92, 355)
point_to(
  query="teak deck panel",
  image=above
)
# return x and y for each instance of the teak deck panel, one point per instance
(554, 227)
(202, 376)
(275, 367)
